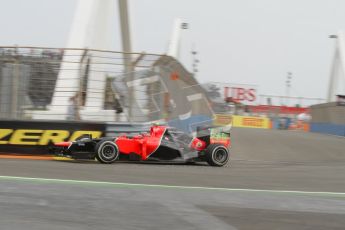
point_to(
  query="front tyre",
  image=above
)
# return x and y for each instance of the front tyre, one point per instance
(107, 152)
(217, 155)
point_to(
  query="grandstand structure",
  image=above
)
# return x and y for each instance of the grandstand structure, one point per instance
(24, 81)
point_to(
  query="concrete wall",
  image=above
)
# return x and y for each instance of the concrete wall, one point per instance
(328, 128)
(328, 113)
(328, 118)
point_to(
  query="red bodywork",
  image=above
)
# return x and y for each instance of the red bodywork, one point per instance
(63, 144)
(143, 145)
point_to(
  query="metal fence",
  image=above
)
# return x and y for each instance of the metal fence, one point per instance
(92, 85)
(289, 100)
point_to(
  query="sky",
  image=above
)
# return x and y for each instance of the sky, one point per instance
(238, 41)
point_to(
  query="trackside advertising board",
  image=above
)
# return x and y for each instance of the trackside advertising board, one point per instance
(231, 92)
(34, 137)
(250, 122)
(222, 119)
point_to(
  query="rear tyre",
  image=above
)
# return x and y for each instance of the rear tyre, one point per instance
(217, 155)
(107, 152)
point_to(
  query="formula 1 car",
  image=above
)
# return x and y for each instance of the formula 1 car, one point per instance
(162, 143)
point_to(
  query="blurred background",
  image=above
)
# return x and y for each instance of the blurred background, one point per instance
(178, 62)
(272, 70)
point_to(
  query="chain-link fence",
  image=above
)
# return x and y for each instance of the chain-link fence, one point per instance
(27, 79)
(47, 83)
(94, 85)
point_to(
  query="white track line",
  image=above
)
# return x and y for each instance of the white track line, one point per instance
(128, 185)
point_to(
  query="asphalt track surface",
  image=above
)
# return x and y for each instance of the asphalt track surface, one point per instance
(275, 180)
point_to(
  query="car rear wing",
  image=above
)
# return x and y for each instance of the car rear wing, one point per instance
(211, 134)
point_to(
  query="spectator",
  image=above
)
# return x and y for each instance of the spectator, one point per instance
(73, 108)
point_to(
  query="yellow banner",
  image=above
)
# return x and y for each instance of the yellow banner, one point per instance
(222, 119)
(41, 137)
(250, 122)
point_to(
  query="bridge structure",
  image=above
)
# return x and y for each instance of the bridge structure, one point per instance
(337, 76)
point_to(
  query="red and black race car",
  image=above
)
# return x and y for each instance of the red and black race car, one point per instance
(162, 143)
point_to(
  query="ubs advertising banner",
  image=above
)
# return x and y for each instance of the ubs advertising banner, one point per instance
(228, 92)
(34, 137)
